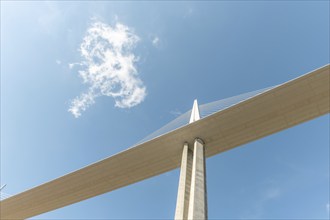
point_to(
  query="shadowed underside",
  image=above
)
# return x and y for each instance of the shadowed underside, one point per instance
(289, 104)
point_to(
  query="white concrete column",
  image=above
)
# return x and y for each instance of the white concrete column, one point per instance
(198, 198)
(182, 203)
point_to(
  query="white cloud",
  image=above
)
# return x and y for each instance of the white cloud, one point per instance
(109, 67)
(155, 41)
(81, 103)
(58, 62)
(328, 207)
(72, 65)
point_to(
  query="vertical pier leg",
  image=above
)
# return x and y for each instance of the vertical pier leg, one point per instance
(198, 198)
(182, 203)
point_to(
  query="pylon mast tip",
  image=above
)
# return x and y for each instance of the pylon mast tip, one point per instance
(194, 112)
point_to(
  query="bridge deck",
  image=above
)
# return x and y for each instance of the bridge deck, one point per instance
(289, 104)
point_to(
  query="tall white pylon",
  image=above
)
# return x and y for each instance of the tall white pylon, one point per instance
(182, 203)
(192, 199)
(198, 199)
(194, 112)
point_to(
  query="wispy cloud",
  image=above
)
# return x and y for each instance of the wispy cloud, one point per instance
(176, 113)
(108, 67)
(155, 41)
(327, 206)
(72, 65)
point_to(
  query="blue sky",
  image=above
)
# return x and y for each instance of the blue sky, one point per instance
(182, 51)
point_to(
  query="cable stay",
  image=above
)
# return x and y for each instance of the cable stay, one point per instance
(2, 194)
(205, 110)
